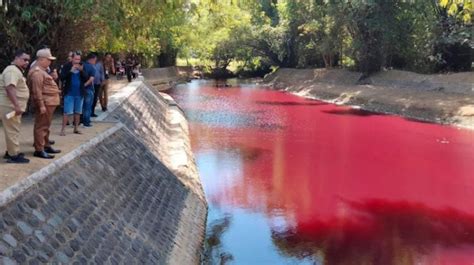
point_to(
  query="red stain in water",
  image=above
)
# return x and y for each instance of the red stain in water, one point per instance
(358, 187)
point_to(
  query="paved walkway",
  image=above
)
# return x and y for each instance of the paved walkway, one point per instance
(12, 173)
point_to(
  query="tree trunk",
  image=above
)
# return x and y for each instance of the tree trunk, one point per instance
(167, 58)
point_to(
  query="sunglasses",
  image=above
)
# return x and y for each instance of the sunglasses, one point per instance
(25, 59)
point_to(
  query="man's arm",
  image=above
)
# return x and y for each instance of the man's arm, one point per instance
(113, 66)
(84, 75)
(89, 81)
(91, 72)
(102, 73)
(11, 94)
(65, 72)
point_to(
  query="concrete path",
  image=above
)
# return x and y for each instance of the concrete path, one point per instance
(12, 173)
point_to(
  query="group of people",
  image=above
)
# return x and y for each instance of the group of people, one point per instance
(129, 67)
(82, 84)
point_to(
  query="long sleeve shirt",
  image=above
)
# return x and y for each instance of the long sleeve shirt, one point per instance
(99, 76)
(44, 90)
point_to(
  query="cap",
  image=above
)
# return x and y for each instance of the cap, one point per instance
(45, 53)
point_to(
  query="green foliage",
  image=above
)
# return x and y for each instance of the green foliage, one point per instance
(462, 9)
(425, 36)
(31, 24)
(147, 28)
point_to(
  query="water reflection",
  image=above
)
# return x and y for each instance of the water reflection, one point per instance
(290, 103)
(356, 112)
(303, 186)
(214, 252)
(381, 232)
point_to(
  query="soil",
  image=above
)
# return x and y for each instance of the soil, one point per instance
(441, 98)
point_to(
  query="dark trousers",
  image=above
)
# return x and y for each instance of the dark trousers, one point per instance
(128, 72)
(41, 128)
(97, 91)
(87, 107)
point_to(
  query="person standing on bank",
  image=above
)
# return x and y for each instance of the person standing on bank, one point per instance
(45, 94)
(109, 68)
(99, 78)
(128, 69)
(73, 76)
(61, 68)
(89, 89)
(14, 94)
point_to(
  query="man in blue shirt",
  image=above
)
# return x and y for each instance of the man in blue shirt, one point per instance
(89, 89)
(73, 77)
(98, 80)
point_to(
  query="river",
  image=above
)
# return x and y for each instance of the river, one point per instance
(297, 181)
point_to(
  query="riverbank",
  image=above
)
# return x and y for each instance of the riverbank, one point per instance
(442, 98)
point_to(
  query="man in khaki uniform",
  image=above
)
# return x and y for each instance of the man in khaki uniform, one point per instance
(109, 67)
(45, 93)
(14, 95)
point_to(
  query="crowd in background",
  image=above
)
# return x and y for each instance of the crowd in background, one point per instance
(79, 84)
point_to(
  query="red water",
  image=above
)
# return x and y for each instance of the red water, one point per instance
(331, 185)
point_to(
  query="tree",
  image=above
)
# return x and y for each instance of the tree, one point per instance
(461, 9)
(31, 25)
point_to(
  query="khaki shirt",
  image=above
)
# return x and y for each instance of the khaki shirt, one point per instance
(13, 76)
(109, 65)
(44, 90)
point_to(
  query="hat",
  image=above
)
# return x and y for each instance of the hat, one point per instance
(45, 53)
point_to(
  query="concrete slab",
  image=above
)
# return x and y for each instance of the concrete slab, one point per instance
(12, 173)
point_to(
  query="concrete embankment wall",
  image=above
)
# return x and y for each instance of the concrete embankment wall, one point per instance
(160, 73)
(156, 120)
(129, 196)
(164, 78)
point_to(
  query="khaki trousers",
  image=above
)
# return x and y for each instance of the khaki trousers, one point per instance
(11, 128)
(104, 94)
(41, 129)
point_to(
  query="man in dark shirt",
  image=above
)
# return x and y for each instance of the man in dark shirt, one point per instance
(73, 77)
(89, 89)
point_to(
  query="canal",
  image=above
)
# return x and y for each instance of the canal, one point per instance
(297, 181)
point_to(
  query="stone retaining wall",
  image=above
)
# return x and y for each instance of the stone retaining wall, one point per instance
(130, 196)
(156, 119)
(162, 78)
(160, 73)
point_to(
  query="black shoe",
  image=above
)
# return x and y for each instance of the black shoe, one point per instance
(18, 159)
(51, 150)
(104, 109)
(94, 115)
(8, 156)
(51, 142)
(43, 154)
